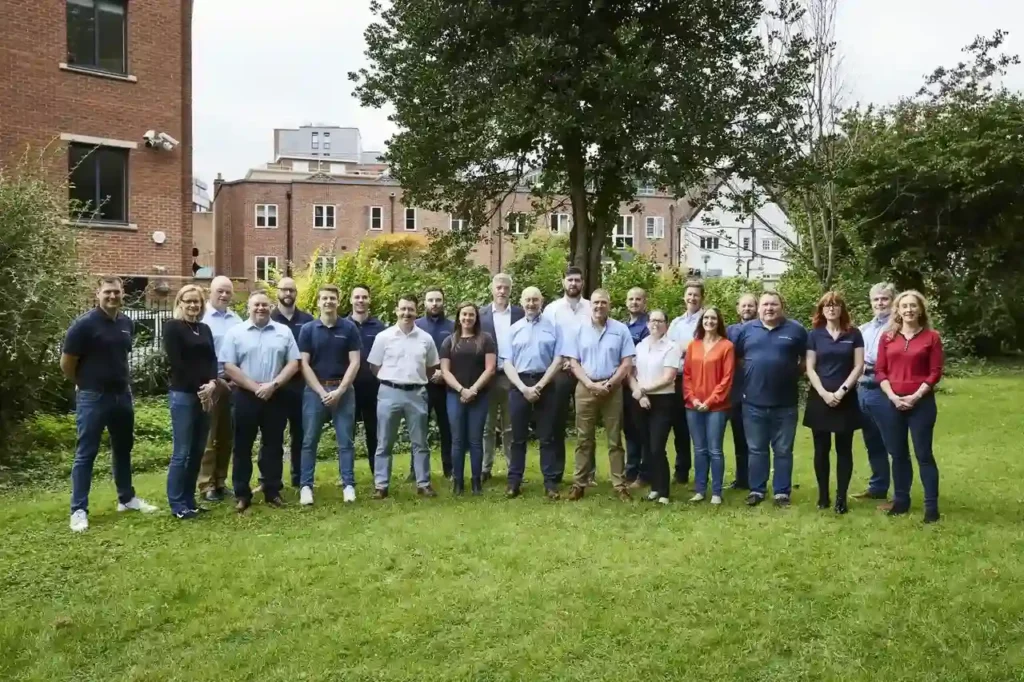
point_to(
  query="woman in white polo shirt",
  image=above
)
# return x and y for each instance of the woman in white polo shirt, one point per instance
(652, 383)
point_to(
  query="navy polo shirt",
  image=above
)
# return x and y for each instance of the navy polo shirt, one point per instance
(833, 358)
(771, 360)
(638, 330)
(439, 328)
(102, 345)
(328, 347)
(295, 325)
(368, 331)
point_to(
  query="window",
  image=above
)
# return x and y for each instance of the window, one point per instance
(517, 223)
(97, 35)
(560, 223)
(325, 263)
(265, 267)
(646, 190)
(323, 216)
(410, 219)
(746, 243)
(266, 215)
(654, 227)
(623, 235)
(327, 145)
(458, 223)
(769, 244)
(99, 182)
(376, 218)
(709, 243)
(316, 141)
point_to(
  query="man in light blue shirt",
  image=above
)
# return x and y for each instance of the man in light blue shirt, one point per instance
(259, 356)
(213, 472)
(681, 332)
(601, 354)
(870, 395)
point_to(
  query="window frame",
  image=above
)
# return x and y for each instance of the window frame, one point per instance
(554, 217)
(659, 227)
(771, 244)
(709, 243)
(415, 221)
(95, 66)
(746, 244)
(93, 157)
(619, 233)
(463, 223)
(333, 216)
(381, 217)
(267, 267)
(521, 227)
(318, 265)
(266, 217)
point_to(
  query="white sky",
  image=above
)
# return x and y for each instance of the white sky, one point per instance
(265, 64)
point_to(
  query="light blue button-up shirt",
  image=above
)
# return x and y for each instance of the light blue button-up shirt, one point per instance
(871, 331)
(681, 331)
(533, 345)
(261, 353)
(600, 351)
(219, 323)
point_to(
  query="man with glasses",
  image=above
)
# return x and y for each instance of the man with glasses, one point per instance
(288, 315)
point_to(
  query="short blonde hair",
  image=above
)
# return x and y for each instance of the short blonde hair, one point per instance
(179, 300)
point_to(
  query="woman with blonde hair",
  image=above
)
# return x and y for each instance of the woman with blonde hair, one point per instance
(193, 378)
(909, 366)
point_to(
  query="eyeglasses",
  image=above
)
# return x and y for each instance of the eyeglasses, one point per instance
(654, 319)
(833, 305)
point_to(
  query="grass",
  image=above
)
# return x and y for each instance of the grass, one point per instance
(489, 589)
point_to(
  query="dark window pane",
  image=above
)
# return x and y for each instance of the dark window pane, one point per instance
(81, 33)
(112, 190)
(82, 169)
(110, 20)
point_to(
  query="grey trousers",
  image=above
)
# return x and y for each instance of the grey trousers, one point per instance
(498, 402)
(392, 405)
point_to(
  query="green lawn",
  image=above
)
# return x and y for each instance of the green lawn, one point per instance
(489, 589)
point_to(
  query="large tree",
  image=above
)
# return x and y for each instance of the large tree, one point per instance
(587, 97)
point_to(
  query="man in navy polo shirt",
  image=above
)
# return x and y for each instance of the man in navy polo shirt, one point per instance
(95, 357)
(329, 349)
(773, 350)
(636, 304)
(285, 313)
(440, 328)
(366, 385)
(746, 309)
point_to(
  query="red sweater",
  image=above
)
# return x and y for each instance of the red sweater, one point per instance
(708, 377)
(908, 363)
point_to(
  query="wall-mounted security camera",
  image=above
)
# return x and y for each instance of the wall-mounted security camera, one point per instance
(157, 140)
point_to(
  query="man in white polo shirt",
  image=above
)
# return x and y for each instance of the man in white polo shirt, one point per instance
(402, 357)
(681, 332)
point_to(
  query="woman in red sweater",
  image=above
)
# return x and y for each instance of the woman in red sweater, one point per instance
(908, 368)
(707, 381)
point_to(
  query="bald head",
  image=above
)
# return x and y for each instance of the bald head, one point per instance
(636, 302)
(532, 301)
(222, 291)
(746, 307)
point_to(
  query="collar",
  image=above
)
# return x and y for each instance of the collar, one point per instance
(641, 318)
(320, 323)
(249, 324)
(690, 316)
(782, 323)
(535, 320)
(506, 311)
(881, 321)
(228, 312)
(398, 330)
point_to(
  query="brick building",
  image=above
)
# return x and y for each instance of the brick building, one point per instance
(90, 78)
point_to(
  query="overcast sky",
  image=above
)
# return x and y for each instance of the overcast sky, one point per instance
(263, 64)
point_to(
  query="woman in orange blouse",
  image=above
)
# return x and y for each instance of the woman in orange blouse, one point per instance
(707, 381)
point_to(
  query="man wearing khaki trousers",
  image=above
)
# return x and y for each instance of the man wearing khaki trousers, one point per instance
(213, 471)
(601, 356)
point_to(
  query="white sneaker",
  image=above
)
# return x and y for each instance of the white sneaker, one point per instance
(348, 494)
(716, 499)
(79, 521)
(662, 500)
(699, 497)
(652, 496)
(136, 504)
(306, 496)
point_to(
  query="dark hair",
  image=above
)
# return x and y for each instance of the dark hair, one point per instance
(831, 297)
(328, 287)
(359, 286)
(429, 289)
(573, 270)
(698, 333)
(408, 297)
(457, 337)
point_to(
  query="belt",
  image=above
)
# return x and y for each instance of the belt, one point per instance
(868, 385)
(330, 382)
(401, 387)
(531, 375)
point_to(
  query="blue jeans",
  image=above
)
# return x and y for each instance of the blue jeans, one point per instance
(774, 427)
(343, 416)
(920, 422)
(467, 428)
(189, 429)
(95, 411)
(872, 401)
(392, 405)
(707, 429)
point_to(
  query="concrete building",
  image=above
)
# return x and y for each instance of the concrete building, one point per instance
(90, 78)
(343, 145)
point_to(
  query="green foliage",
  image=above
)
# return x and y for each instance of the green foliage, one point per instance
(540, 261)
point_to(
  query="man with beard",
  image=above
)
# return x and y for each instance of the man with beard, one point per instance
(681, 332)
(286, 314)
(497, 320)
(439, 327)
(366, 382)
(402, 358)
(567, 313)
(746, 308)
(636, 304)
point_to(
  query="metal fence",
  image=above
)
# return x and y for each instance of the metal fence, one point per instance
(148, 317)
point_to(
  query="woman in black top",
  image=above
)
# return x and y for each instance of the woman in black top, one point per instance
(193, 362)
(468, 359)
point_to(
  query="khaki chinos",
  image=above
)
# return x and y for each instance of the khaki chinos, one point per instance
(609, 408)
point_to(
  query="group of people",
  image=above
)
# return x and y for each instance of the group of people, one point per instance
(514, 368)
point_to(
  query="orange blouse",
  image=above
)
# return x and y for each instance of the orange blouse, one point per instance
(708, 377)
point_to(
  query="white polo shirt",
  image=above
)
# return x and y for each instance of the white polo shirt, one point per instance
(563, 315)
(681, 331)
(652, 357)
(403, 358)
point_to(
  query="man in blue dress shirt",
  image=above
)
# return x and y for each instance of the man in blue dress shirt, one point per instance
(636, 304)
(439, 327)
(870, 395)
(287, 314)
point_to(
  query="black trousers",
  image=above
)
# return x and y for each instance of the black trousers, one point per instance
(291, 404)
(637, 454)
(739, 445)
(681, 434)
(366, 412)
(844, 463)
(545, 412)
(652, 427)
(266, 417)
(564, 388)
(437, 402)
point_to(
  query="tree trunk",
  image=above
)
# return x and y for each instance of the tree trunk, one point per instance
(582, 229)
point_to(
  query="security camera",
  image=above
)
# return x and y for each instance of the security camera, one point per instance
(151, 138)
(169, 142)
(157, 140)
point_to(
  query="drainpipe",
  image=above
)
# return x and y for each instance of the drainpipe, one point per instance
(501, 239)
(392, 212)
(671, 230)
(288, 235)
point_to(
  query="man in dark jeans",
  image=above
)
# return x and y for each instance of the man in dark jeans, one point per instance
(95, 357)
(746, 308)
(439, 327)
(366, 383)
(636, 304)
(286, 314)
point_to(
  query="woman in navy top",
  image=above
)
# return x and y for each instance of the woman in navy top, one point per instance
(835, 360)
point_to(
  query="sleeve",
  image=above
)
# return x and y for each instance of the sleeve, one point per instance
(802, 339)
(882, 360)
(570, 343)
(446, 349)
(688, 394)
(306, 339)
(432, 359)
(506, 353)
(490, 346)
(724, 386)
(228, 353)
(173, 344)
(376, 356)
(293, 348)
(811, 343)
(213, 370)
(628, 347)
(76, 342)
(936, 359)
(858, 338)
(355, 339)
(673, 357)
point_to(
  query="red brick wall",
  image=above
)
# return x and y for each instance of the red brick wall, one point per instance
(40, 101)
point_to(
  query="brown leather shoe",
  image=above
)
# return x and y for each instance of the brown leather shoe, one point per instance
(379, 494)
(868, 495)
(623, 494)
(277, 501)
(242, 505)
(426, 491)
(638, 484)
(885, 506)
(553, 495)
(576, 493)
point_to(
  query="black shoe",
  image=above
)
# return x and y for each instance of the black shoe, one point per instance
(512, 491)
(868, 495)
(448, 475)
(458, 486)
(426, 491)
(478, 489)
(199, 509)
(485, 476)
(681, 480)
(276, 501)
(781, 501)
(738, 485)
(753, 499)
(825, 503)
(186, 514)
(898, 511)
(380, 494)
(213, 496)
(931, 515)
(841, 507)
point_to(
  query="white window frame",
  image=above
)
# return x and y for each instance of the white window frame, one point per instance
(405, 220)
(564, 221)
(746, 244)
(516, 224)
(380, 218)
(266, 216)
(624, 232)
(322, 263)
(654, 227)
(646, 190)
(457, 223)
(709, 243)
(269, 263)
(329, 219)
(770, 244)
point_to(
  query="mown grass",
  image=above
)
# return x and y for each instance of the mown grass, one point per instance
(489, 589)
